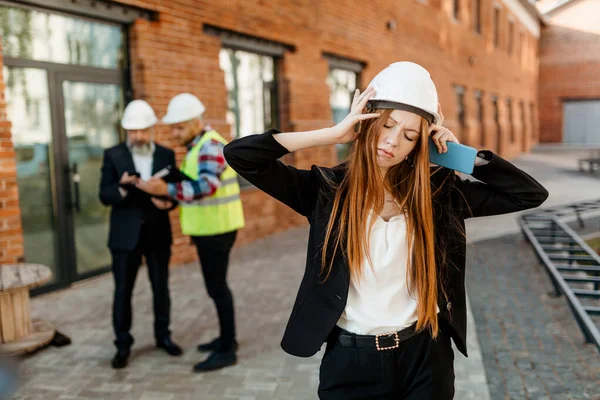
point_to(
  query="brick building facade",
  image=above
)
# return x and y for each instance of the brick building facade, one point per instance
(569, 65)
(482, 55)
(11, 239)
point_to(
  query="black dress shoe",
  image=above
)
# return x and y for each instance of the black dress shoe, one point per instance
(169, 346)
(215, 345)
(120, 359)
(216, 360)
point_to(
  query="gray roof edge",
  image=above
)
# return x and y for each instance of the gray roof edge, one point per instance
(559, 7)
(533, 10)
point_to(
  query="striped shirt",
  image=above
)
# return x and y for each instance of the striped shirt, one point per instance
(211, 164)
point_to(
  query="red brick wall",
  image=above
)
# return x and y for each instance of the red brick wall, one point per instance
(11, 236)
(569, 63)
(173, 54)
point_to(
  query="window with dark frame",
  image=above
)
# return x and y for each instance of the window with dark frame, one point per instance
(511, 125)
(250, 68)
(343, 79)
(33, 34)
(496, 26)
(252, 95)
(531, 54)
(532, 117)
(480, 117)
(511, 34)
(477, 16)
(522, 48)
(460, 110)
(497, 123)
(251, 91)
(523, 119)
(456, 9)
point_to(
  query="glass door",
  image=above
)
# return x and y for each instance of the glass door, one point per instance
(91, 124)
(58, 166)
(63, 78)
(28, 108)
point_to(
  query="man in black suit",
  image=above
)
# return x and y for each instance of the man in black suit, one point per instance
(139, 226)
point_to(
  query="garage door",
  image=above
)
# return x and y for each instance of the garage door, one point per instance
(582, 122)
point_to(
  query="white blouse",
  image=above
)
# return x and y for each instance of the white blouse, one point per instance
(380, 302)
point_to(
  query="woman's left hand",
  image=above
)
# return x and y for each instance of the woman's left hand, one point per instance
(440, 135)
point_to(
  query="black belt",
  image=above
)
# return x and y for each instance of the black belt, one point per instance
(381, 342)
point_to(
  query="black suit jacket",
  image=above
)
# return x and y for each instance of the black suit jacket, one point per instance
(129, 212)
(503, 189)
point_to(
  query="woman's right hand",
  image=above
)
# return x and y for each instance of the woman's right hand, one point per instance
(344, 132)
(338, 134)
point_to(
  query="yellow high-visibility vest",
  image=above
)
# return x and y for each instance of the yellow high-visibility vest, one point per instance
(220, 213)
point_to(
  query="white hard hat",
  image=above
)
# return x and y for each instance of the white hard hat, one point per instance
(406, 86)
(138, 115)
(183, 107)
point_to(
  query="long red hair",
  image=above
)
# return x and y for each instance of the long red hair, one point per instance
(363, 188)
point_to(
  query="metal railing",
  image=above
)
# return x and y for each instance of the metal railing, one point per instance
(570, 262)
(592, 163)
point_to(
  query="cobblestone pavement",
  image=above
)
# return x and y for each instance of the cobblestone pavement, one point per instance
(264, 278)
(532, 347)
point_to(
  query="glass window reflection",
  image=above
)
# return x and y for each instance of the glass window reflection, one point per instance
(91, 124)
(252, 96)
(342, 84)
(28, 108)
(42, 36)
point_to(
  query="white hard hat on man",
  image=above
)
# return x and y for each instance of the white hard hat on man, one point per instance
(406, 86)
(212, 222)
(184, 115)
(138, 115)
(183, 107)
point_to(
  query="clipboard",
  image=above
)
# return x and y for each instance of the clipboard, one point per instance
(172, 175)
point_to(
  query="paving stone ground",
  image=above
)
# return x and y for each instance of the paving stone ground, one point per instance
(265, 276)
(532, 347)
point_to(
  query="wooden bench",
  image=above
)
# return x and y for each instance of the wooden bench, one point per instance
(593, 163)
(18, 333)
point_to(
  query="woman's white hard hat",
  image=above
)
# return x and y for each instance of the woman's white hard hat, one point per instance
(406, 86)
(138, 115)
(183, 107)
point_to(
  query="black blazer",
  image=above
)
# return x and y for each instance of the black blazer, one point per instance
(129, 212)
(504, 189)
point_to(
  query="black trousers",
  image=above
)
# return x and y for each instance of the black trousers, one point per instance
(125, 267)
(419, 369)
(213, 252)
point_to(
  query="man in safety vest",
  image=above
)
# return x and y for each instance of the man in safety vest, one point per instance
(211, 213)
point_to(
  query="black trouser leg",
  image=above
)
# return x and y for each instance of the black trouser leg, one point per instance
(429, 366)
(350, 373)
(158, 273)
(125, 267)
(213, 252)
(419, 369)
